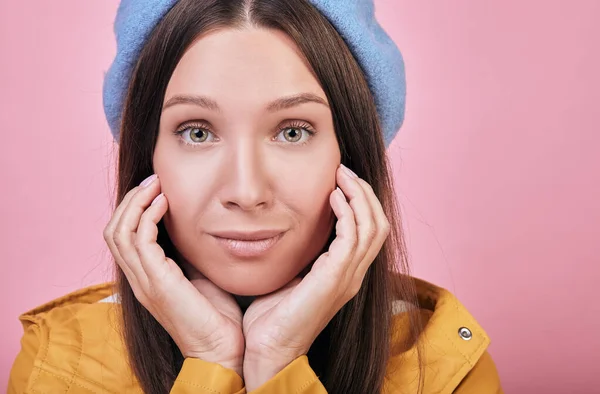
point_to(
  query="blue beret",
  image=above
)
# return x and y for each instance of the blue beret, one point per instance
(378, 56)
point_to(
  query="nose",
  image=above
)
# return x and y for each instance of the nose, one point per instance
(246, 177)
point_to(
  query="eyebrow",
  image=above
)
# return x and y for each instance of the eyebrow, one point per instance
(274, 106)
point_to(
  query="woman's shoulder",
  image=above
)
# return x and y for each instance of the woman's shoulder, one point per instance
(451, 342)
(73, 340)
(74, 300)
(87, 309)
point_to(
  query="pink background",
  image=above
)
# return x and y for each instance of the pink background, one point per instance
(497, 167)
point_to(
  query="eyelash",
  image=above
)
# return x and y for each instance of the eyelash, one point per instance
(292, 125)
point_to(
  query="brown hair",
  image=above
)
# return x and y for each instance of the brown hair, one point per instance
(355, 346)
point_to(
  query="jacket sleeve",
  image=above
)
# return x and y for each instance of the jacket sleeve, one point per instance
(298, 377)
(200, 377)
(196, 376)
(482, 379)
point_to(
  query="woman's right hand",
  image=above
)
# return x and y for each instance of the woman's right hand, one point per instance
(204, 321)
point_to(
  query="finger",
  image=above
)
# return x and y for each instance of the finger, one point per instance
(382, 225)
(163, 273)
(339, 256)
(124, 234)
(131, 278)
(108, 235)
(116, 217)
(330, 272)
(379, 215)
(152, 256)
(363, 213)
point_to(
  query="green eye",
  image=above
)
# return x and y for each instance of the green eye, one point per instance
(195, 135)
(198, 135)
(297, 133)
(292, 134)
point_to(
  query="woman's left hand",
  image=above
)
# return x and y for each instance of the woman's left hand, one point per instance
(282, 326)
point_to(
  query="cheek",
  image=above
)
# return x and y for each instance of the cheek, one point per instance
(185, 191)
(187, 207)
(315, 218)
(307, 193)
(182, 177)
(309, 182)
(178, 188)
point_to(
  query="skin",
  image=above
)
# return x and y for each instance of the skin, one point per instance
(250, 176)
(246, 175)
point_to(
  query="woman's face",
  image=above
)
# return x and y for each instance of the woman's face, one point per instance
(256, 159)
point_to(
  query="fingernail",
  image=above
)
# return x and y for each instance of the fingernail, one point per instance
(350, 173)
(157, 198)
(148, 180)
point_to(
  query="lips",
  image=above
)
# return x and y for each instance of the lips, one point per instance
(248, 244)
(256, 235)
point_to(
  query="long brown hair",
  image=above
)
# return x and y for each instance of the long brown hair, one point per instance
(357, 340)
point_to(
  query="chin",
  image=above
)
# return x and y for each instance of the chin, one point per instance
(244, 284)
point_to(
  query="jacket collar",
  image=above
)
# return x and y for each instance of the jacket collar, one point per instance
(450, 343)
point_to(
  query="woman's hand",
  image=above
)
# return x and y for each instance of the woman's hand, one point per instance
(282, 326)
(204, 321)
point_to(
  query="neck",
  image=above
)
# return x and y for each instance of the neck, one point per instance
(244, 301)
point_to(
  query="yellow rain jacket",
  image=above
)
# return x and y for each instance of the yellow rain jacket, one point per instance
(72, 345)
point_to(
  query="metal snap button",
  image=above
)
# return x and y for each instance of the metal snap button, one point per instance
(465, 333)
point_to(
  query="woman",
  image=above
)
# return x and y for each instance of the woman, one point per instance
(250, 257)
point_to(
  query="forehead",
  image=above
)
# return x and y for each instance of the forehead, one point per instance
(249, 61)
